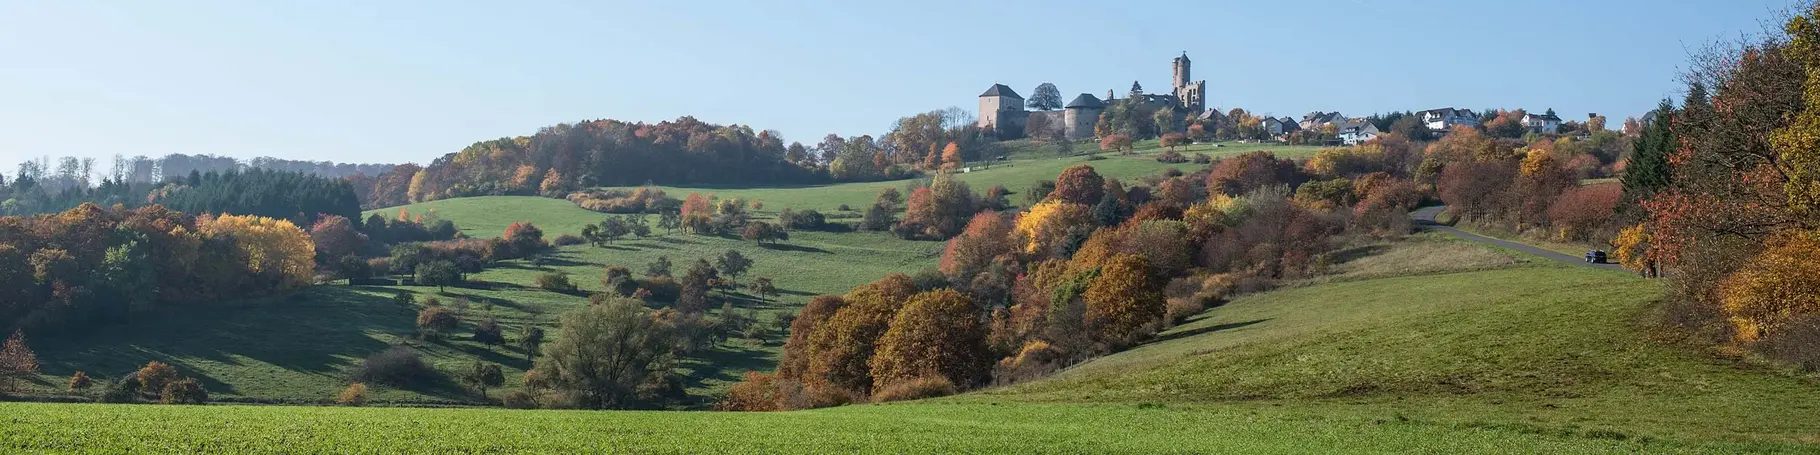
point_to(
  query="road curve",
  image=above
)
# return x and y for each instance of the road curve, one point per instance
(1425, 219)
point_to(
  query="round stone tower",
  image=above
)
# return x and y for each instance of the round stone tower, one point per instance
(1080, 115)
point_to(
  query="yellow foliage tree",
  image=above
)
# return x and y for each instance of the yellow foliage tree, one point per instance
(1046, 224)
(271, 246)
(937, 333)
(1632, 248)
(1776, 287)
(1798, 144)
(420, 187)
(1537, 161)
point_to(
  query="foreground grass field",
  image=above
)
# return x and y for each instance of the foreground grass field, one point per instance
(913, 428)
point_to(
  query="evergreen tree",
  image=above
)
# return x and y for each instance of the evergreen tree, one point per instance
(1648, 171)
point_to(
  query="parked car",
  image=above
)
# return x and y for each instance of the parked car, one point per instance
(1595, 256)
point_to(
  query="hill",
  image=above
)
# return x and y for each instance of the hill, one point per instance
(1430, 345)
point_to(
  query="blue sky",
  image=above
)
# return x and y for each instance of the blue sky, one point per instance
(359, 81)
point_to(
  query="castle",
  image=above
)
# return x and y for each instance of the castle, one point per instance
(1003, 112)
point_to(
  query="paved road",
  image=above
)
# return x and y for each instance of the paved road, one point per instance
(1425, 219)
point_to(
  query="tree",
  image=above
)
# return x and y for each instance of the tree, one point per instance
(335, 238)
(1044, 228)
(1173, 140)
(435, 321)
(693, 296)
(1119, 143)
(273, 247)
(440, 273)
(1647, 171)
(154, 376)
(488, 332)
(732, 264)
(1045, 98)
(183, 391)
(951, 157)
(481, 375)
(987, 236)
(883, 212)
(659, 267)
(17, 361)
(618, 281)
(839, 349)
(1079, 184)
(530, 338)
(764, 287)
(1125, 303)
(936, 332)
(603, 353)
(669, 221)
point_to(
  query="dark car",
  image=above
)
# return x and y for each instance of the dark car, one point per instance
(1595, 256)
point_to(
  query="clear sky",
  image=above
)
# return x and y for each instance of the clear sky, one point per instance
(378, 81)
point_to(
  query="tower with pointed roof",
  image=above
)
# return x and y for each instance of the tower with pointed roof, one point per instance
(1002, 112)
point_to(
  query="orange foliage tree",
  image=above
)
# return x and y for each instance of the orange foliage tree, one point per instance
(1079, 184)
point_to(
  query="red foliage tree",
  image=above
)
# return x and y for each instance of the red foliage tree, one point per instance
(1585, 210)
(1252, 170)
(1079, 184)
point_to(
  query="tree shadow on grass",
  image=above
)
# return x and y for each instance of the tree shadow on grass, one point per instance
(1204, 330)
(726, 363)
(1354, 254)
(791, 247)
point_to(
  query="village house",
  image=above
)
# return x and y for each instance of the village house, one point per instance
(1546, 123)
(1356, 131)
(1446, 118)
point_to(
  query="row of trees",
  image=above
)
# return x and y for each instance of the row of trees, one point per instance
(1729, 189)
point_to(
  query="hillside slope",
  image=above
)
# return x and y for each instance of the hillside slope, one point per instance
(1539, 346)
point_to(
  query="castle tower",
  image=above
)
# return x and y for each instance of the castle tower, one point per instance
(1181, 71)
(1002, 112)
(1080, 115)
(1192, 94)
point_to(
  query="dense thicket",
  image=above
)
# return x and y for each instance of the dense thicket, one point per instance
(97, 263)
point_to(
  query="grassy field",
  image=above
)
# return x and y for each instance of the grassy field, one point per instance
(916, 428)
(1429, 345)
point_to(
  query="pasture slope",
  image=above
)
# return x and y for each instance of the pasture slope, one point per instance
(1431, 345)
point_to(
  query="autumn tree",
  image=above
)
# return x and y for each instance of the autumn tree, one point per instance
(951, 157)
(1778, 286)
(17, 361)
(1117, 143)
(335, 238)
(841, 348)
(732, 264)
(1250, 171)
(936, 333)
(1173, 140)
(695, 285)
(435, 321)
(1584, 210)
(987, 236)
(1079, 184)
(274, 248)
(154, 376)
(1045, 227)
(1125, 303)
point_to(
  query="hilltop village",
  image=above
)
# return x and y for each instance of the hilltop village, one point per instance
(1008, 115)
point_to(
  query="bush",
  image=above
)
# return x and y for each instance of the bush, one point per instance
(1798, 343)
(397, 366)
(354, 395)
(184, 391)
(123, 391)
(519, 399)
(1171, 156)
(154, 376)
(556, 282)
(845, 208)
(914, 389)
(1202, 158)
(1180, 309)
(807, 219)
(568, 240)
(432, 322)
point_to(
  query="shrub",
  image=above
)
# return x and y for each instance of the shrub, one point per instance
(568, 240)
(1797, 343)
(125, 390)
(556, 282)
(519, 399)
(807, 219)
(1171, 156)
(184, 391)
(1779, 285)
(79, 381)
(1124, 304)
(1036, 359)
(397, 366)
(845, 208)
(434, 321)
(1202, 158)
(354, 395)
(914, 389)
(154, 376)
(755, 392)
